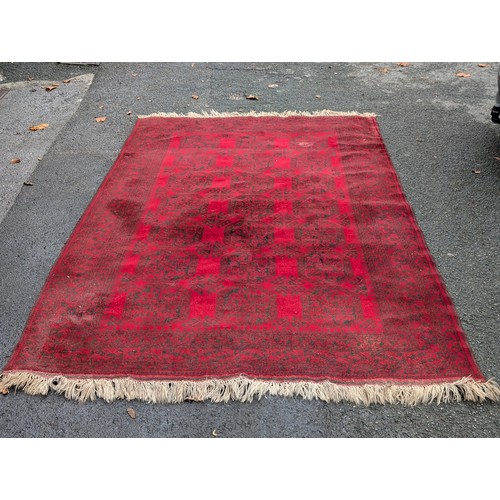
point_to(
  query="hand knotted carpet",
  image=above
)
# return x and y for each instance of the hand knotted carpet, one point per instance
(232, 256)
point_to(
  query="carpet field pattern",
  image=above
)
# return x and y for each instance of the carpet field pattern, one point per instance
(228, 257)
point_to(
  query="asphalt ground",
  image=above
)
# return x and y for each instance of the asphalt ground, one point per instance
(445, 150)
(27, 104)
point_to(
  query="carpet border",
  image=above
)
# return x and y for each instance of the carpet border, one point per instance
(235, 114)
(245, 389)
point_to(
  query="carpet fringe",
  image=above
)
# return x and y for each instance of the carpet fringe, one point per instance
(230, 114)
(245, 389)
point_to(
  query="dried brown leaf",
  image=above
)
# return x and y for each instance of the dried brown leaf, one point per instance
(497, 158)
(251, 97)
(29, 78)
(15, 160)
(28, 183)
(215, 433)
(131, 412)
(195, 97)
(463, 75)
(66, 81)
(100, 119)
(383, 70)
(4, 391)
(41, 126)
(317, 96)
(273, 86)
(52, 87)
(484, 65)
(129, 113)
(476, 171)
(403, 64)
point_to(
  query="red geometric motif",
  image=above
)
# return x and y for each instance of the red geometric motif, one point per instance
(276, 248)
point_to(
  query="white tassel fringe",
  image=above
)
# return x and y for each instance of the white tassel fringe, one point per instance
(245, 389)
(232, 114)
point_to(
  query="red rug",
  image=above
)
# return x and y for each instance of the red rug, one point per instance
(230, 257)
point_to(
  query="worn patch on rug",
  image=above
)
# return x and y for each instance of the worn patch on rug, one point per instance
(228, 257)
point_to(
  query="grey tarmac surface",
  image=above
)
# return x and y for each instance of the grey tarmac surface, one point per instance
(26, 104)
(437, 129)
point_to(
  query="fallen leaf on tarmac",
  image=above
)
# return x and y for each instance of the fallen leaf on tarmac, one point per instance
(29, 78)
(497, 158)
(215, 433)
(15, 160)
(195, 97)
(134, 74)
(131, 412)
(129, 113)
(404, 64)
(273, 86)
(52, 87)
(5, 392)
(251, 97)
(484, 65)
(100, 119)
(317, 96)
(41, 126)
(27, 183)
(463, 75)
(66, 81)
(383, 70)
(476, 171)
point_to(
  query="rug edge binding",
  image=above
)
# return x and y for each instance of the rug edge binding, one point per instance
(233, 114)
(245, 389)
